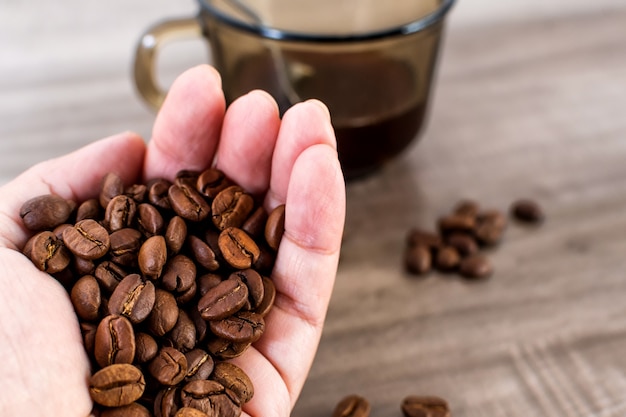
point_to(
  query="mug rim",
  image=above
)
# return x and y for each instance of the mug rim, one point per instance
(285, 35)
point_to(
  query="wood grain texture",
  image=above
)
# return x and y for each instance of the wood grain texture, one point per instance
(530, 102)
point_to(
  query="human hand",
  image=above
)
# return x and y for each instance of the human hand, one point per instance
(294, 161)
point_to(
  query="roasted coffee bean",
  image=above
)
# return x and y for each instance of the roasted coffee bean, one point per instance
(418, 259)
(208, 281)
(253, 280)
(210, 397)
(188, 203)
(115, 341)
(158, 193)
(231, 207)
(190, 412)
(169, 367)
(275, 227)
(149, 221)
(109, 275)
(467, 207)
(179, 274)
(89, 209)
(120, 213)
(211, 182)
(125, 245)
(133, 298)
(86, 298)
(175, 234)
(417, 237)
(48, 253)
(488, 234)
(464, 243)
(45, 212)
(493, 217)
(152, 257)
(117, 385)
(87, 239)
(58, 231)
(146, 348)
(137, 192)
(164, 314)
(528, 211)
(183, 334)
(425, 406)
(456, 223)
(241, 327)
(226, 349)
(352, 406)
(187, 178)
(269, 295)
(188, 295)
(199, 365)
(223, 300)
(475, 267)
(237, 248)
(235, 379)
(167, 402)
(447, 258)
(130, 410)
(265, 261)
(110, 187)
(88, 332)
(83, 266)
(255, 224)
(202, 253)
(200, 323)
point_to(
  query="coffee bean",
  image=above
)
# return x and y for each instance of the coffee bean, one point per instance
(137, 192)
(464, 243)
(109, 275)
(352, 406)
(86, 298)
(164, 314)
(425, 406)
(417, 237)
(231, 207)
(188, 203)
(475, 267)
(125, 245)
(211, 398)
(226, 349)
(447, 258)
(188, 295)
(241, 327)
(183, 334)
(152, 256)
(150, 222)
(488, 234)
(265, 261)
(179, 274)
(110, 187)
(199, 323)
(235, 379)
(223, 300)
(187, 178)
(255, 224)
(87, 239)
(238, 249)
(120, 213)
(133, 298)
(83, 266)
(88, 332)
(169, 367)
(48, 253)
(493, 217)
(88, 209)
(527, 210)
(467, 207)
(269, 295)
(275, 227)
(45, 212)
(202, 253)
(146, 348)
(253, 280)
(418, 260)
(456, 223)
(190, 412)
(130, 410)
(175, 234)
(167, 402)
(115, 341)
(116, 385)
(158, 190)
(211, 182)
(199, 365)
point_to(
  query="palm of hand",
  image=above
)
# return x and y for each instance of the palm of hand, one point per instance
(291, 161)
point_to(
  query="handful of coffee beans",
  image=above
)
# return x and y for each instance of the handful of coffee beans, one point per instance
(168, 281)
(461, 236)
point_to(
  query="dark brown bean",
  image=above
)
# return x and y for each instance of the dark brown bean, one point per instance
(115, 341)
(275, 227)
(226, 349)
(467, 207)
(183, 334)
(188, 203)
(152, 256)
(190, 412)
(48, 253)
(158, 193)
(164, 314)
(110, 187)
(169, 367)
(255, 224)
(187, 178)
(117, 385)
(417, 237)
(202, 253)
(231, 207)
(88, 209)
(352, 406)
(224, 299)
(45, 212)
(199, 364)
(109, 275)
(418, 259)
(253, 280)
(237, 248)
(175, 234)
(120, 213)
(87, 239)
(456, 223)
(527, 210)
(211, 182)
(425, 406)
(269, 295)
(179, 274)
(447, 259)
(476, 267)
(149, 221)
(125, 245)
(235, 379)
(130, 410)
(241, 327)
(88, 332)
(133, 298)
(86, 298)
(167, 402)
(210, 397)
(146, 348)
(137, 192)
(464, 243)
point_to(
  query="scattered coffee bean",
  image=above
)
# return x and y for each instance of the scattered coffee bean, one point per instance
(527, 210)
(425, 406)
(352, 406)
(167, 281)
(418, 259)
(475, 267)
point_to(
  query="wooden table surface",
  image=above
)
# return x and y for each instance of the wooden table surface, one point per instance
(530, 102)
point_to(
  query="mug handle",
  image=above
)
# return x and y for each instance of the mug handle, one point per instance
(145, 54)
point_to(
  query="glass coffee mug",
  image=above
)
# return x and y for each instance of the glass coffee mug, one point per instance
(371, 62)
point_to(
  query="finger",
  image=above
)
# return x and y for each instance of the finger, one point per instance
(248, 137)
(306, 264)
(76, 176)
(303, 125)
(187, 128)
